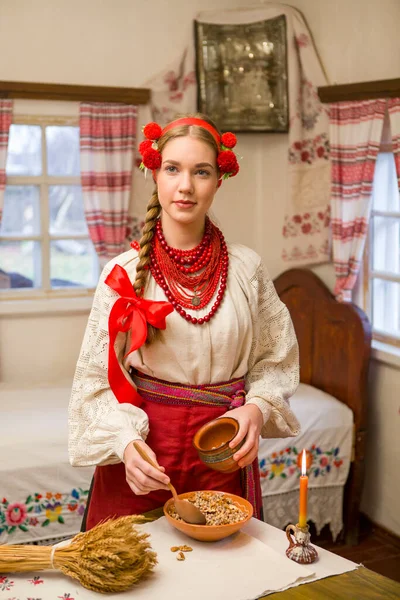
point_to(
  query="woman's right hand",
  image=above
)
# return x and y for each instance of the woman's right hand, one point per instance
(142, 478)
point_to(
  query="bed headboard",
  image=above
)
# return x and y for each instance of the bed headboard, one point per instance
(334, 340)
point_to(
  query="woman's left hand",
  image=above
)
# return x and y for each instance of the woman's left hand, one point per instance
(251, 421)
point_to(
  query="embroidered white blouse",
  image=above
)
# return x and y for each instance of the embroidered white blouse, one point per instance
(251, 335)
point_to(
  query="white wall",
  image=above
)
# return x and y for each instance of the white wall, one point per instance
(382, 485)
(39, 349)
(123, 43)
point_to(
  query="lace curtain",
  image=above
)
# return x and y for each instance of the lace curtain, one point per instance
(107, 142)
(325, 507)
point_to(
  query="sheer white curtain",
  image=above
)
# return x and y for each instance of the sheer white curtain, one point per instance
(385, 240)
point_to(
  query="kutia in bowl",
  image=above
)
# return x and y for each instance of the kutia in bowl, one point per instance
(225, 513)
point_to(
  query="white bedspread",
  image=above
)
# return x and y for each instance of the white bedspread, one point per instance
(41, 495)
(326, 434)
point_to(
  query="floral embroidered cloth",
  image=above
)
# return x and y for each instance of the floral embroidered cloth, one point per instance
(326, 434)
(42, 497)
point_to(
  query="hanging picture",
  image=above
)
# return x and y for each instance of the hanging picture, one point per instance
(242, 75)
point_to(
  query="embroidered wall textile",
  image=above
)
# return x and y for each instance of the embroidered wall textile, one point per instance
(307, 205)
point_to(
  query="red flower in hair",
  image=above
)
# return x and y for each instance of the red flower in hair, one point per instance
(229, 140)
(227, 162)
(235, 170)
(145, 145)
(152, 131)
(152, 159)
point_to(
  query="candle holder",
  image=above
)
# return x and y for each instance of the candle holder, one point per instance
(300, 550)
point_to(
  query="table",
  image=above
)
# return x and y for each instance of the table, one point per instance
(361, 584)
(335, 578)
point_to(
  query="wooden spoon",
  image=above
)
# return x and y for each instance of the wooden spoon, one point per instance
(185, 509)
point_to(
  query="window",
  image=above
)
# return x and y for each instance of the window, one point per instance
(383, 256)
(45, 248)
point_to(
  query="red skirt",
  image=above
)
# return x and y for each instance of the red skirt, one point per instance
(173, 423)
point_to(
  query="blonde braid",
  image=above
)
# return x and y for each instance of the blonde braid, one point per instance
(152, 214)
(142, 274)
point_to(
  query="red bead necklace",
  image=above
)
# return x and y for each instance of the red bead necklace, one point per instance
(190, 278)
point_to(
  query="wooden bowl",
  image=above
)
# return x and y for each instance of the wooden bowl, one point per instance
(209, 533)
(212, 444)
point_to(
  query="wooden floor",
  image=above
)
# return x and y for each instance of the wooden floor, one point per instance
(378, 550)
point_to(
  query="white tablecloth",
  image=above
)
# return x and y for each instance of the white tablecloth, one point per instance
(245, 566)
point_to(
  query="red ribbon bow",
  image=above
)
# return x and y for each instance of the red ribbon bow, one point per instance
(130, 313)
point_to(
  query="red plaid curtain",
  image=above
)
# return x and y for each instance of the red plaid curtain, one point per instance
(6, 108)
(394, 116)
(107, 141)
(355, 132)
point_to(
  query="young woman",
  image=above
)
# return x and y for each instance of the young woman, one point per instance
(183, 328)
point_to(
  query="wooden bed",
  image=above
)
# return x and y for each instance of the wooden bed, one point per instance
(335, 342)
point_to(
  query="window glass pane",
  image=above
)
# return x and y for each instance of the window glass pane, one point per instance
(21, 215)
(66, 210)
(385, 193)
(24, 154)
(386, 306)
(73, 263)
(62, 150)
(20, 264)
(386, 244)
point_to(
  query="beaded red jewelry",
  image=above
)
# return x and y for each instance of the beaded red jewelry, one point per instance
(151, 156)
(190, 278)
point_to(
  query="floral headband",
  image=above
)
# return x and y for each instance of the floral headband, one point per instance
(151, 156)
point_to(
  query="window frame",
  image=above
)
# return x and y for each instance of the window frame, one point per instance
(43, 181)
(369, 274)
